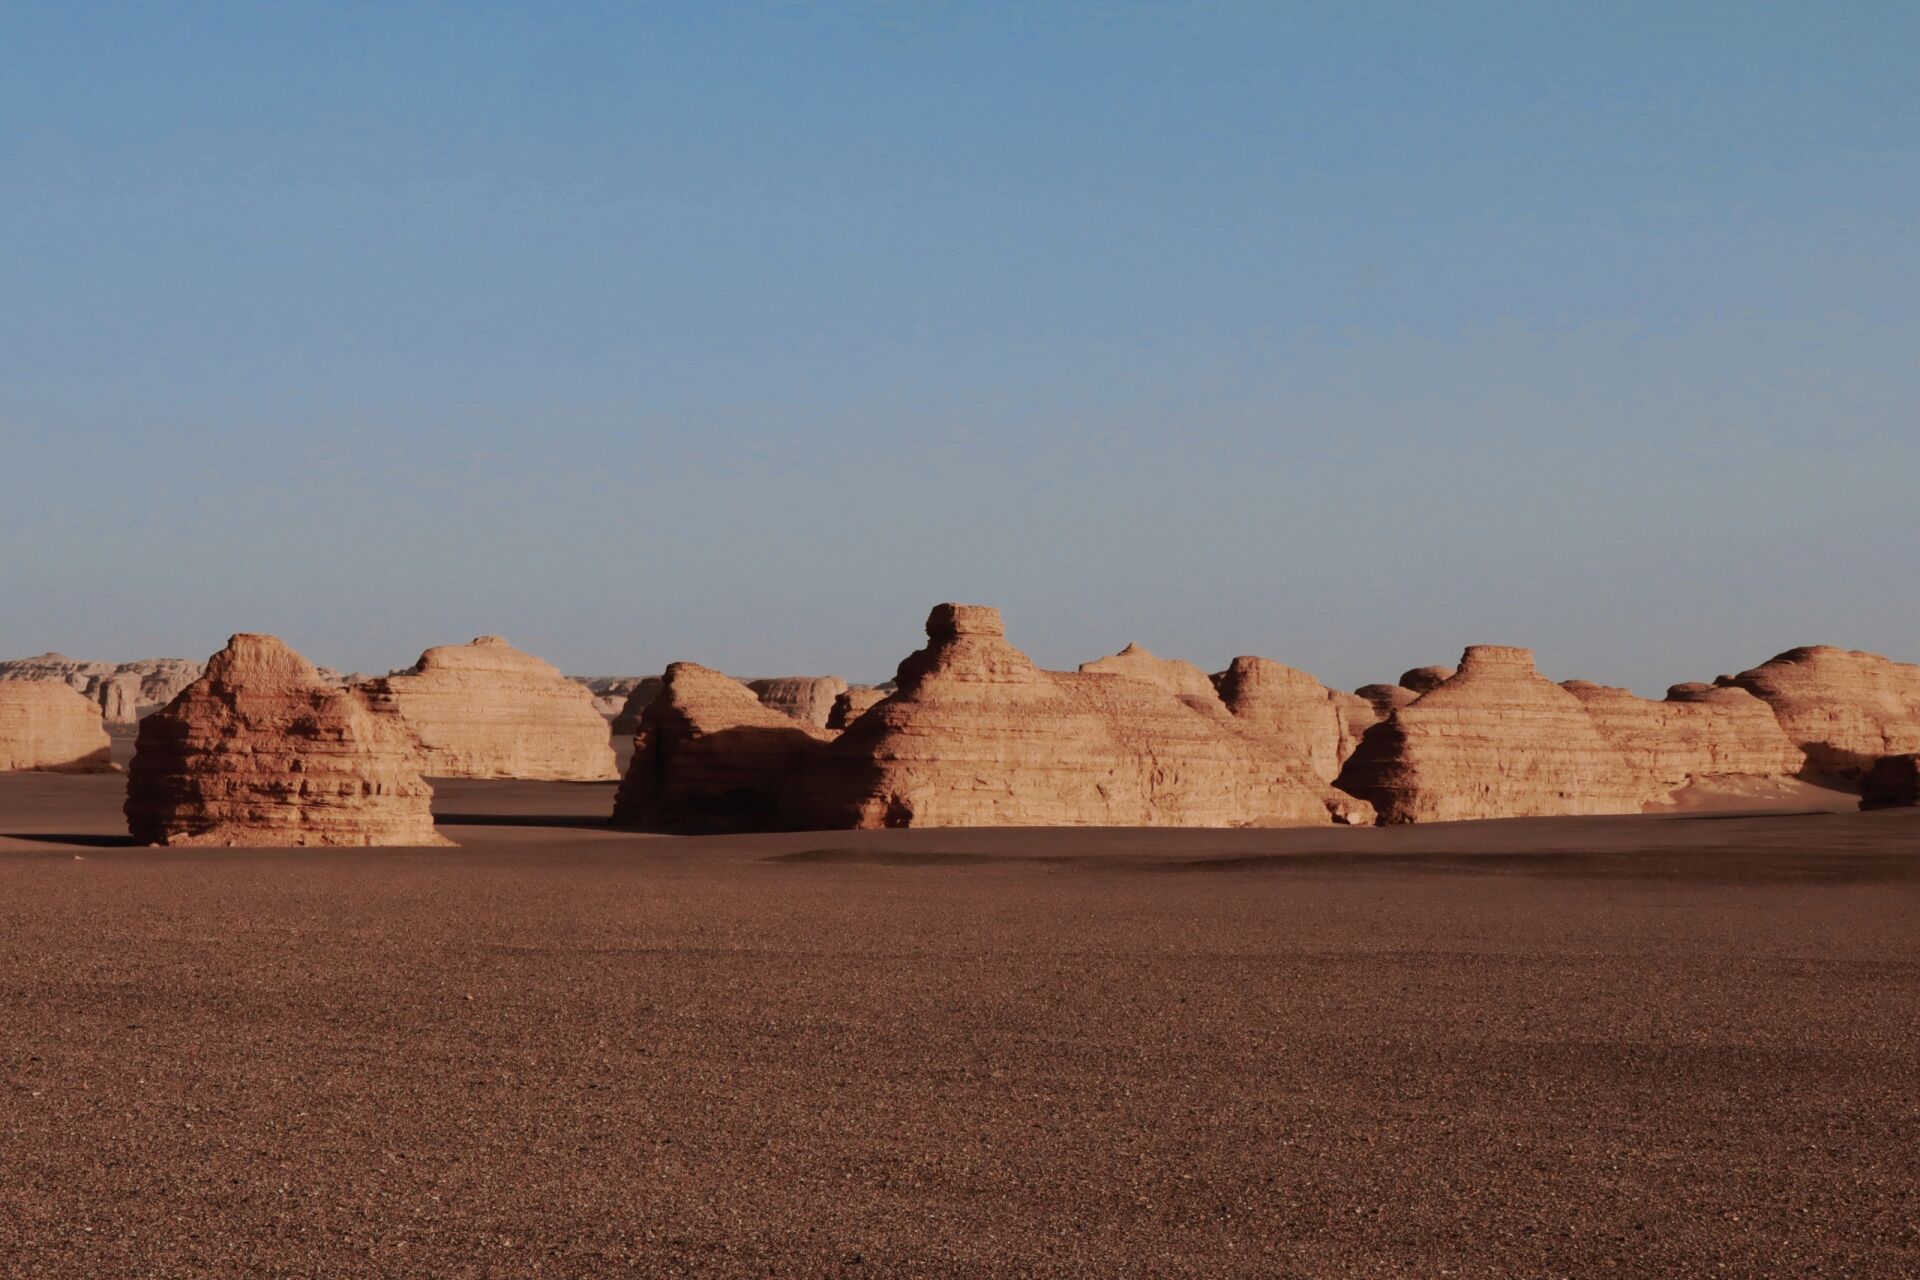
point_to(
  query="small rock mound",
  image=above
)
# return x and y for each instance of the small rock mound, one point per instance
(261, 751)
(710, 756)
(853, 704)
(488, 710)
(1181, 679)
(48, 726)
(1422, 680)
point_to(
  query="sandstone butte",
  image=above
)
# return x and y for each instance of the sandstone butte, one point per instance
(1316, 725)
(261, 751)
(487, 710)
(808, 699)
(49, 726)
(1497, 740)
(1700, 734)
(853, 704)
(710, 756)
(977, 735)
(626, 722)
(1844, 708)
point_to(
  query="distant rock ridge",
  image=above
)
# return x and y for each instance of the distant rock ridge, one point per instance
(806, 698)
(976, 735)
(1699, 735)
(124, 691)
(1845, 708)
(488, 710)
(47, 726)
(710, 756)
(1181, 679)
(261, 751)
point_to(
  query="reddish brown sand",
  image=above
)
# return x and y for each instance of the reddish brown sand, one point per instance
(1575, 1047)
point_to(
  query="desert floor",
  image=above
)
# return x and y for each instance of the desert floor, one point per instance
(1659, 1046)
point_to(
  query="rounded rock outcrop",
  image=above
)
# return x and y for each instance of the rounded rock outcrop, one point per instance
(48, 726)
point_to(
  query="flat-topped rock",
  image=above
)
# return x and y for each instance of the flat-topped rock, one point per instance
(1496, 740)
(488, 710)
(977, 735)
(805, 698)
(48, 726)
(262, 752)
(710, 756)
(1845, 708)
(1892, 783)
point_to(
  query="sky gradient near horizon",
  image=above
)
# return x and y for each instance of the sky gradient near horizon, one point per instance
(1345, 335)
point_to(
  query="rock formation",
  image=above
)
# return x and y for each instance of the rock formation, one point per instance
(49, 726)
(1498, 740)
(260, 751)
(710, 756)
(1181, 679)
(977, 735)
(808, 699)
(487, 710)
(1844, 708)
(1425, 679)
(124, 691)
(1699, 734)
(610, 693)
(626, 722)
(1893, 782)
(853, 704)
(1314, 724)
(1384, 699)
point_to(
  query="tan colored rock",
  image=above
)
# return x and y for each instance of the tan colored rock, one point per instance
(853, 704)
(1314, 724)
(610, 693)
(1892, 783)
(125, 691)
(977, 735)
(1384, 699)
(710, 756)
(1843, 707)
(487, 710)
(1700, 734)
(808, 699)
(49, 726)
(1181, 679)
(119, 699)
(262, 752)
(1425, 679)
(1498, 740)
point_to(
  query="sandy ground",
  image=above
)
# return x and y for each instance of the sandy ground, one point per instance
(1666, 1046)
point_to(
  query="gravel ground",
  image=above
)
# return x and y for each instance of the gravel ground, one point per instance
(1583, 1047)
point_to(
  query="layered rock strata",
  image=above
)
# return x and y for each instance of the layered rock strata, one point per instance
(808, 699)
(626, 722)
(488, 710)
(1316, 725)
(977, 735)
(1181, 679)
(1497, 740)
(49, 726)
(1698, 735)
(260, 751)
(710, 756)
(853, 704)
(1843, 707)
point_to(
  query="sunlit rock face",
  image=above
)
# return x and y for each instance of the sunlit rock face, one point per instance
(49, 726)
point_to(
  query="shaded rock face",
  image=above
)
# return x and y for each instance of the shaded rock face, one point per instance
(487, 710)
(1497, 740)
(1384, 699)
(626, 723)
(1314, 724)
(808, 699)
(710, 756)
(125, 691)
(49, 726)
(610, 693)
(1892, 783)
(1181, 679)
(1844, 708)
(977, 735)
(853, 704)
(1699, 734)
(261, 751)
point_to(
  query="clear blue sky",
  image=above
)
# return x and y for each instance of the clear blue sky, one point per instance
(1343, 334)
